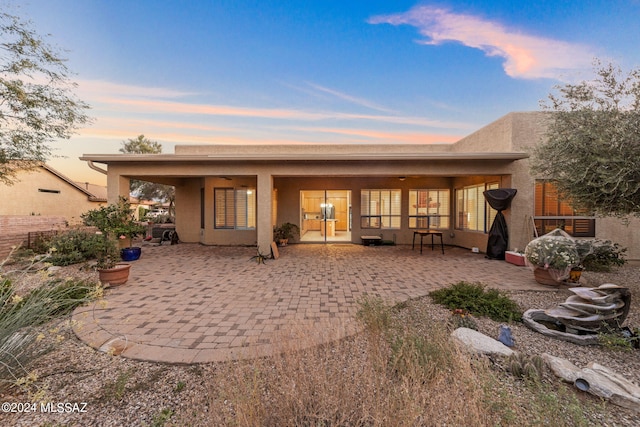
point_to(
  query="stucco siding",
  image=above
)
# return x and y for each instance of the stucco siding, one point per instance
(496, 152)
(40, 192)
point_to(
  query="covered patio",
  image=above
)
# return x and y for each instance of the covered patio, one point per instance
(190, 303)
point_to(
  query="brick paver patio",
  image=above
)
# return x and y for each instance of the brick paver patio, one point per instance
(189, 303)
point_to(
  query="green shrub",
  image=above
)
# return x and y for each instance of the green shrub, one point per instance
(74, 247)
(474, 298)
(603, 255)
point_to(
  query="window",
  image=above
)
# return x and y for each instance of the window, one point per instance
(429, 209)
(552, 212)
(473, 213)
(380, 208)
(235, 208)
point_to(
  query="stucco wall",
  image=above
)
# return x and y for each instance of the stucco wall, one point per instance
(24, 197)
(625, 231)
(515, 133)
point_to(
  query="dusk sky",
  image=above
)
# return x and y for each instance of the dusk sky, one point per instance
(322, 72)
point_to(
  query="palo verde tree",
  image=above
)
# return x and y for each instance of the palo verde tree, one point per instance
(592, 144)
(145, 189)
(37, 105)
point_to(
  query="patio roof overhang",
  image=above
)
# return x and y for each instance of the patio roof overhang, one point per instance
(279, 157)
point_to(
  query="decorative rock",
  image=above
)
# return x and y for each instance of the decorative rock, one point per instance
(584, 314)
(533, 318)
(597, 380)
(479, 343)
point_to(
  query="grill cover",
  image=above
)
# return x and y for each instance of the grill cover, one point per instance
(498, 241)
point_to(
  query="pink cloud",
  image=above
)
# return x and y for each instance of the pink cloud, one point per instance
(177, 108)
(525, 56)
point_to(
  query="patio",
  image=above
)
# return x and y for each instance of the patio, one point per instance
(190, 303)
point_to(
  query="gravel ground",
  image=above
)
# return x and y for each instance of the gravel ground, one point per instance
(123, 392)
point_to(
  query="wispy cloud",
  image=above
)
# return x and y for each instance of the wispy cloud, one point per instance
(349, 98)
(171, 117)
(93, 88)
(526, 56)
(181, 108)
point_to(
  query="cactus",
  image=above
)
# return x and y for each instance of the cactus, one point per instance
(523, 366)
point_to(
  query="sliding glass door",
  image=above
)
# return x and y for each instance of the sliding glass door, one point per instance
(325, 215)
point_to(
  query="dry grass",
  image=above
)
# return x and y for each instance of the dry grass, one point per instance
(395, 373)
(387, 376)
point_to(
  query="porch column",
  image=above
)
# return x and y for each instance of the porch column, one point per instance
(263, 221)
(117, 185)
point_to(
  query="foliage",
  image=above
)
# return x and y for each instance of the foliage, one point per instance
(162, 418)
(559, 253)
(601, 255)
(141, 145)
(24, 312)
(555, 251)
(260, 258)
(37, 105)
(113, 221)
(74, 246)
(145, 189)
(591, 149)
(461, 318)
(474, 298)
(616, 338)
(286, 231)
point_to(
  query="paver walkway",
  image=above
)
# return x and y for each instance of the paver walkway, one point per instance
(189, 303)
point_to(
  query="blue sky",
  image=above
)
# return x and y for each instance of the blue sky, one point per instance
(325, 71)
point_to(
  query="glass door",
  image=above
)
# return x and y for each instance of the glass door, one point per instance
(325, 215)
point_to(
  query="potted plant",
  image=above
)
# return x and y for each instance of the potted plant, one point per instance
(284, 232)
(114, 222)
(551, 257)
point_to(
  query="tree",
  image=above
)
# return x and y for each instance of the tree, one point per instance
(145, 189)
(141, 145)
(592, 144)
(37, 105)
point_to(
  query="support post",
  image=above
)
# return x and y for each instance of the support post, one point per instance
(264, 225)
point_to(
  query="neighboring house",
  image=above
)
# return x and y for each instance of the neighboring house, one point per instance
(46, 192)
(234, 195)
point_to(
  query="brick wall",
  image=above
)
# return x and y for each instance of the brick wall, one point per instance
(14, 229)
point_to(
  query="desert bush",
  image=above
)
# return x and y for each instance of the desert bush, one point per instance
(478, 300)
(26, 332)
(389, 375)
(461, 318)
(602, 255)
(74, 247)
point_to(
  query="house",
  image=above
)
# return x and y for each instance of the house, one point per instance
(234, 195)
(46, 192)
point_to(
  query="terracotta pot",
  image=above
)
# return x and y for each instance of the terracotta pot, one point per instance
(117, 275)
(543, 277)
